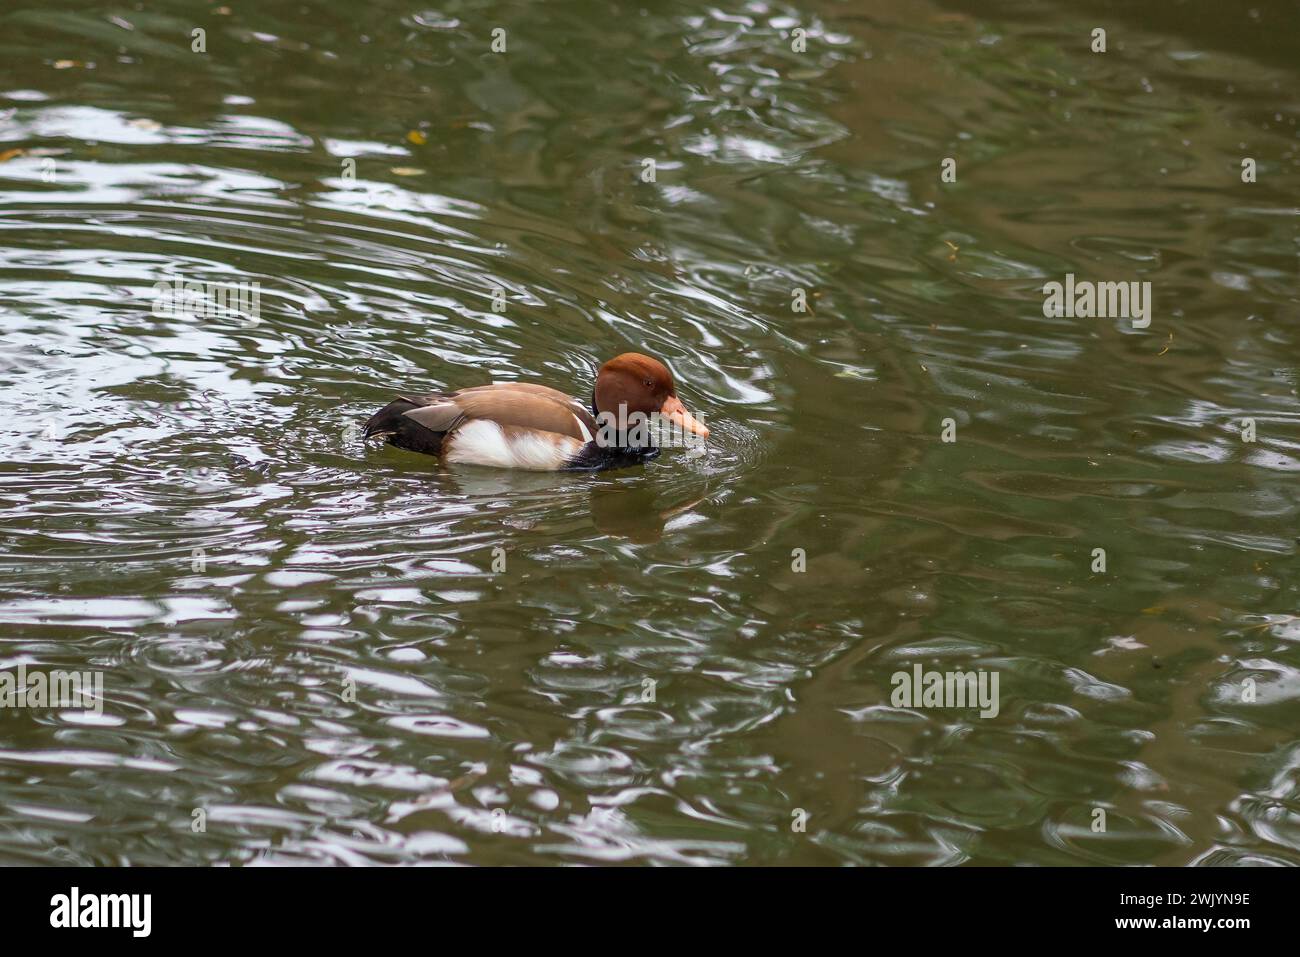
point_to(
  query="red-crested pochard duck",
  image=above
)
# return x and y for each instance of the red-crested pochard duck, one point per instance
(524, 426)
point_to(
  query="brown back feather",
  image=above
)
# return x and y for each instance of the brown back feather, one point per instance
(518, 405)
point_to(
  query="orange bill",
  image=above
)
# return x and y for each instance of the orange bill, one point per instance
(674, 411)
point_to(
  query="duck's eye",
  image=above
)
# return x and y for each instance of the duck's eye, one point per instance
(649, 383)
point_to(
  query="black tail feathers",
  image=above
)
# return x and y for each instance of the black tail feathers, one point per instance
(392, 423)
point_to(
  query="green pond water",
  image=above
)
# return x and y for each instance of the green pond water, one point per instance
(315, 650)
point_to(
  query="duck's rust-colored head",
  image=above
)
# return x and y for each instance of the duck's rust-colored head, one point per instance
(643, 385)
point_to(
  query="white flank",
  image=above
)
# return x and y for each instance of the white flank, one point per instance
(483, 443)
